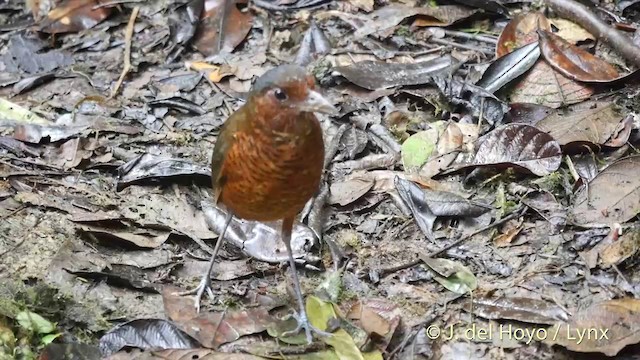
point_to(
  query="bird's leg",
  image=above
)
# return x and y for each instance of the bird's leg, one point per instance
(301, 316)
(205, 282)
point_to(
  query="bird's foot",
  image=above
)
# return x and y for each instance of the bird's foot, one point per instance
(204, 286)
(303, 323)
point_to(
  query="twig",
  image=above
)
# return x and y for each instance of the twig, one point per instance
(127, 50)
(476, 37)
(462, 46)
(513, 215)
(580, 14)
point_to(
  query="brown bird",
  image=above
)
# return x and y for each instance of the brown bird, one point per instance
(268, 161)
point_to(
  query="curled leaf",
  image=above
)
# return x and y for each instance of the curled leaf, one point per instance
(573, 62)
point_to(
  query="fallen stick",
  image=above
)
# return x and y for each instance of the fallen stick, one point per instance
(580, 14)
(127, 50)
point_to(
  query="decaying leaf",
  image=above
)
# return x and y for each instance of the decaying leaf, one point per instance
(320, 313)
(544, 86)
(452, 275)
(509, 232)
(509, 67)
(17, 113)
(375, 75)
(606, 327)
(345, 192)
(527, 310)
(377, 317)
(145, 334)
(480, 102)
(541, 85)
(612, 196)
(618, 251)
(521, 146)
(212, 329)
(570, 31)
(431, 151)
(223, 26)
(591, 123)
(520, 31)
(391, 15)
(426, 204)
(573, 62)
(74, 16)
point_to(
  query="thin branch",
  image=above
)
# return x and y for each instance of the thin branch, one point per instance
(513, 215)
(127, 51)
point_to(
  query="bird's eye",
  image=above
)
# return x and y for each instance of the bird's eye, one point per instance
(279, 94)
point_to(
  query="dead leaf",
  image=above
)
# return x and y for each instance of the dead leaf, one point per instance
(543, 85)
(451, 274)
(377, 316)
(74, 16)
(366, 5)
(572, 61)
(571, 31)
(391, 15)
(520, 31)
(235, 26)
(592, 122)
(533, 311)
(519, 145)
(505, 238)
(612, 196)
(606, 328)
(213, 329)
(347, 191)
(174, 354)
(374, 75)
(622, 249)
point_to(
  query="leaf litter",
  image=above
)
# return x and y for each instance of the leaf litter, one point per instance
(491, 185)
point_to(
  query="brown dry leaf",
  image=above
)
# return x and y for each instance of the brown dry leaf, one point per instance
(511, 230)
(571, 31)
(74, 16)
(619, 251)
(520, 31)
(142, 238)
(347, 191)
(179, 354)
(533, 311)
(606, 327)
(612, 196)
(520, 146)
(237, 25)
(215, 73)
(544, 86)
(592, 122)
(213, 329)
(377, 316)
(572, 61)
(392, 15)
(366, 5)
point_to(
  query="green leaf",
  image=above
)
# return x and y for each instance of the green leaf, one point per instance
(15, 112)
(48, 339)
(33, 322)
(417, 149)
(452, 275)
(320, 313)
(331, 287)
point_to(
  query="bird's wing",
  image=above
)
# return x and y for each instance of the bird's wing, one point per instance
(223, 144)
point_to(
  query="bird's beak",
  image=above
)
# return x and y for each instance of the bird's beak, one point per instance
(317, 103)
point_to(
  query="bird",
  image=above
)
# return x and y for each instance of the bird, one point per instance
(268, 161)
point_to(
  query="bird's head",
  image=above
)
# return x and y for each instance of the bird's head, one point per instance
(289, 87)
